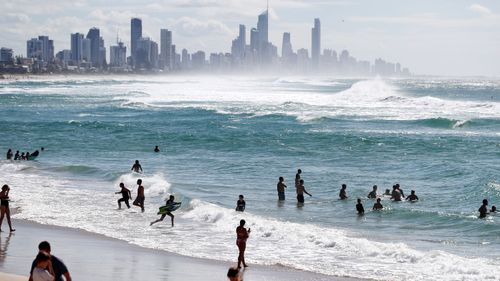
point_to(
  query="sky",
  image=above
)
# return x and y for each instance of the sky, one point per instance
(434, 37)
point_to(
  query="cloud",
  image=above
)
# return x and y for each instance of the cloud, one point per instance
(480, 9)
(14, 18)
(193, 27)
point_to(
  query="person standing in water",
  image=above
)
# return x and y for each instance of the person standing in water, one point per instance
(396, 193)
(240, 204)
(343, 192)
(126, 195)
(300, 192)
(157, 149)
(483, 210)
(281, 188)
(360, 208)
(4, 207)
(297, 178)
(139, 200)
(9, 154)
(170, 203)
(413, 197)
(242, 235)
(378, 206)
(17, 156)
(373, 193)
(136, 167)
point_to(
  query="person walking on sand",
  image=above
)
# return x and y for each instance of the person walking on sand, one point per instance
(242, 235)
(126, 195)
(343, 192)
(59, 268)
(43, 270)
(139, 200)
(170, 203)
(281, 188)
(4, 207)
(136, 167)
(300, 192)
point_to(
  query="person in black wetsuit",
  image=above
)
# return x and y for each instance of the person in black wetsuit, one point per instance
(17, 156)
(126, 195)
(170, 202)
(343, 192)
(137, 167)
(157, 149)
(483, 210)
(9, 154)
(240, 204)
(4, 206)
(360, 208)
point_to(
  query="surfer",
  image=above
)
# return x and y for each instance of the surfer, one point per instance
(360, 208)
(413, 197)
(125, 196)
(170, 205)
(483, 210)
(9, 154)
(136, 167)
(157, 149)
(281, 189)
(4, 206)
(378, 206)
(16, 156)
(373, 193)
(240, 204)
(343, 192)
(139, 200)
(241, 241)
(300, 192)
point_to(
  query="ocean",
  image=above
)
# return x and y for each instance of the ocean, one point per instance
(224, 136)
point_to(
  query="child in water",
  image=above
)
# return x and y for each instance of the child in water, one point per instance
(240, 204)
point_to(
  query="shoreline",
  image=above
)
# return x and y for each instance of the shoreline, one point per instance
(121, 260)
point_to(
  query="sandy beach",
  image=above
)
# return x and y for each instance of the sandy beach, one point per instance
(95, 257)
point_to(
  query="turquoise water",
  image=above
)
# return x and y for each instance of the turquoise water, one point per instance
(221, 137)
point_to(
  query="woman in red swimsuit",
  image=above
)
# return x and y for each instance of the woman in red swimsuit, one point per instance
(241, 241)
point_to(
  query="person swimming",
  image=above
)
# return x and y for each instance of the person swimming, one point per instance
(387, 192)
(343, 192)
(493, 209)
(240, 204)
(136, 167)
(126, 195)
(360, 208)
(412, 197)
(139, 200)
(300, 192)
(373, 193)
(157, 149)
(281, 188)
(378, 206)
(483, 210)
(170, 202)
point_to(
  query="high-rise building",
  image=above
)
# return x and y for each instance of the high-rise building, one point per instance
(86, 49)
(135, 36)
(102, 52)
(198, 60)
(41, 48)
(286, 47)
(185, 59)
(316, 43)
(242, 37)
(172, 57)
(263, 28)
(239, 44)
(34, 48)
(94, 35)
(166, 49)
(76, 47)
(6, 55)
(118, 55)
(146, 53)
(254, 40)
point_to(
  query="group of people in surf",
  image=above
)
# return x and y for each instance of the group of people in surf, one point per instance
(21, 155)
(483, 210)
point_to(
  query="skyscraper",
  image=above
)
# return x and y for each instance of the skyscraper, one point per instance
(242, 38)
(86, 49)
(239, 44)
(135, 36)
(254, 40)
(166, 49)
(286, 47)
(76, 47)
(263, 28)
(118, 55)
(41, 48)
(95, 55)
(316, 43)
(6, 55)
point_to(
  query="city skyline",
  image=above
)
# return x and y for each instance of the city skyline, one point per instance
(192, 36)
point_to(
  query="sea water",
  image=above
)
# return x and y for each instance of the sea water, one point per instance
(225, 136)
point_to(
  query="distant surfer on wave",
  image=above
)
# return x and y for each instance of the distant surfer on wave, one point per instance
(167, 210)
(137, 167)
